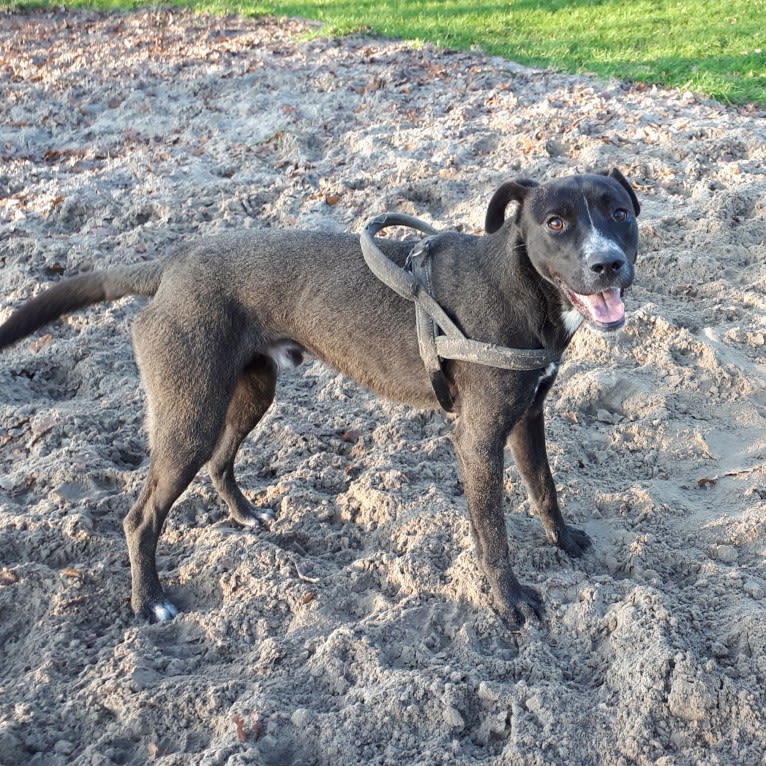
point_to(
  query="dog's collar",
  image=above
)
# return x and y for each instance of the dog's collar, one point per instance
(439, 337)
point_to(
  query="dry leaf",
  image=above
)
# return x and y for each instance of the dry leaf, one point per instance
(41, 342)
(7, 577)
(240, 724)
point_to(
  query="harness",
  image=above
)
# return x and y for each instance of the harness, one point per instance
(439, 338)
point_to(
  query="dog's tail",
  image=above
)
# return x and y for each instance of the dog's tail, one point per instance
(78, 292)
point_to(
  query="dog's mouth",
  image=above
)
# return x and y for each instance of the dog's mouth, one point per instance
(604, 311)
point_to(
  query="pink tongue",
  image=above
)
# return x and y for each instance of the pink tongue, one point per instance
(606, 307)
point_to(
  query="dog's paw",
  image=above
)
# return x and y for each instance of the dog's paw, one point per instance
(524, 605)
(516, 604)
(255, 517)
(572, 540)
(159, 611)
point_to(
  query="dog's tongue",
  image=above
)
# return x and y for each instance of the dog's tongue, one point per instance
(604, 308)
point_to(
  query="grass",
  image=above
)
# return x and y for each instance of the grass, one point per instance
(710, 47)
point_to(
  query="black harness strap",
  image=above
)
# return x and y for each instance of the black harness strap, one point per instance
(419, 263)
(438, 336)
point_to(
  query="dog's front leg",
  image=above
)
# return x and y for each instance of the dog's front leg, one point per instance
(479, 449)
(527, 442)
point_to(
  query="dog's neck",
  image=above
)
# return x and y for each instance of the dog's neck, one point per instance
(490, 288)
(547, 317)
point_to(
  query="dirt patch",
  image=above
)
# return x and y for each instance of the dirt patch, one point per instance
(357, 630)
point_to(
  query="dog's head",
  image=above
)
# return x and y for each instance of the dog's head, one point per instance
(580, 235)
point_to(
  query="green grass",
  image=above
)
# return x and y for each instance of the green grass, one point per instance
(713, 47)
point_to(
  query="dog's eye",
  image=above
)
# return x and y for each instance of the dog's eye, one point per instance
(556, 224)
(620, 215)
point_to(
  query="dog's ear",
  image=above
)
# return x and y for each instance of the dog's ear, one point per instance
(512, 191)
(620, 178)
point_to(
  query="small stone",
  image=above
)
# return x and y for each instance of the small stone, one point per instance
(719, 650)
(300, 718)
(556, 148)
(453, 718)
(753, 589)
(604, 416)
(689, 699)
(487, 694)
(63, 746)
(726, 553)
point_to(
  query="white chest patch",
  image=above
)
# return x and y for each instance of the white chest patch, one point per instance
(550, 372)
(572, 320)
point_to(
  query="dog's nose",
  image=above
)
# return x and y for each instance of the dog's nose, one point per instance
(606, 264)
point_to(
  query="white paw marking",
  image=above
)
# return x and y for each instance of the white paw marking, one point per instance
(164, 611)
(259, 517)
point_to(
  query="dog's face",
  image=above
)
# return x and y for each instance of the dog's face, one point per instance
(581, 235)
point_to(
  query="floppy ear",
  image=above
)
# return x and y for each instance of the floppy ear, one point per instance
(512, 191)
(620, 178)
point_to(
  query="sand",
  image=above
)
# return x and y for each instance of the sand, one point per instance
(357, 630)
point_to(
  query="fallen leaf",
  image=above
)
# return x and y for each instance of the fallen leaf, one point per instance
(240, 724)
(40, 343)
(79, 601)
(7, 577)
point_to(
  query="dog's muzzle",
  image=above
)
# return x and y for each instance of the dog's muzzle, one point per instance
(603, 311)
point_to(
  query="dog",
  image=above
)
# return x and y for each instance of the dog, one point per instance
(228, 313)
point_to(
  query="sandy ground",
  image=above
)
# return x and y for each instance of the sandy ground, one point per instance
(357, 630)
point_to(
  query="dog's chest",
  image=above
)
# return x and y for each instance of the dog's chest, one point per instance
(572, 320)
(544, 383)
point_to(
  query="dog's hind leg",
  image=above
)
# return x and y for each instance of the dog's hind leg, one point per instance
(183, 431)
(253, 394)
(527, 442)
(143, 526)
(189, 377)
